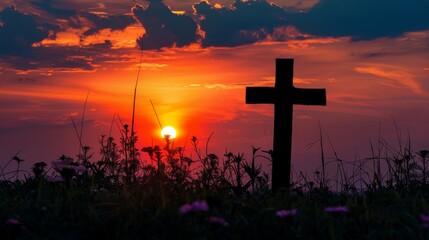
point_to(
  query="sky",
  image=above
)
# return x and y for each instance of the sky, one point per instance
(196, 59)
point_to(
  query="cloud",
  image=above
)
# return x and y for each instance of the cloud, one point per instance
(402, 77)
(104, 45)
(84, 19)
(18, 32)
(245, 23)
(53, 10)
(100, 22)
(364, 19)
(44, 60)
(50, 6)
(296, 5)
(164, 28)
(22, 36)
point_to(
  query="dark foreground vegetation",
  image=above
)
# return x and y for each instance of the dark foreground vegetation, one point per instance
(159, 193)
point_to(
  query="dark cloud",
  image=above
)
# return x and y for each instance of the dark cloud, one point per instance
(364, 19)
(53, 8)
(105, 45)
(245, 23)
(76, 18)
(63, 63)
(164, 28)
(100, 22)
(58, 58)
(18, 32)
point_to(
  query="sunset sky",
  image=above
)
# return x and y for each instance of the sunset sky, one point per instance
(371, 56)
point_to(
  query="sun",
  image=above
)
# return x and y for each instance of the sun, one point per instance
(168, 131)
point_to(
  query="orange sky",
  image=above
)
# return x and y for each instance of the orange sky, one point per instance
(371, 86)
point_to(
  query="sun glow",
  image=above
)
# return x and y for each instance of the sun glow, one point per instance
(169, 132)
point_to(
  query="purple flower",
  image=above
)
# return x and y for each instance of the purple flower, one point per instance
(13, 221)
(79, 169)
(218, 221)
(286, 213)
(67, 164)
(424, 217)
(200, 206)
(338, 209)
(197, 206)
(185, 208)
(425, 220)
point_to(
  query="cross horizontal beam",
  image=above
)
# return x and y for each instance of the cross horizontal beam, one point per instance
(301, 96)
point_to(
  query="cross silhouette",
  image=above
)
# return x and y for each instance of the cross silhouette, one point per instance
(283, 95)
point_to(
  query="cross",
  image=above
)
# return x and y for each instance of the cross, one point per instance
(283, 95)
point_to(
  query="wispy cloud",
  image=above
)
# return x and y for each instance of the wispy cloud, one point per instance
(148, 66)
(222, 86)
(401, 76)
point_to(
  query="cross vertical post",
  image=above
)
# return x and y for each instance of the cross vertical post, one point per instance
(283, 95)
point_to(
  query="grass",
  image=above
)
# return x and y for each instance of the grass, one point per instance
(159, 193)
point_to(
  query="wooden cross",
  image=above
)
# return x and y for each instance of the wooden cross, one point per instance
(283, 95)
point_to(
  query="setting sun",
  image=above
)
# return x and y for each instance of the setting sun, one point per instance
(168, 131)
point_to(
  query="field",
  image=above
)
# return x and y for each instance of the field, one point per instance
(170, 196)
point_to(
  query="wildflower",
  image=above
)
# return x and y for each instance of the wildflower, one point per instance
(13, 229)
(425, 220)
(185, 208)
(39, 169)
(62, 161)
(79, 169)
(338, 209)
(200, 206)
(286, 213)
(53, 179)
(197, 206)
(149, 150)
(67, 167)
(188, 161)
(13, 221)
(218, 221)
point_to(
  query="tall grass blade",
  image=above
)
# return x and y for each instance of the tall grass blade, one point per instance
(135, 92)
(156, 114)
